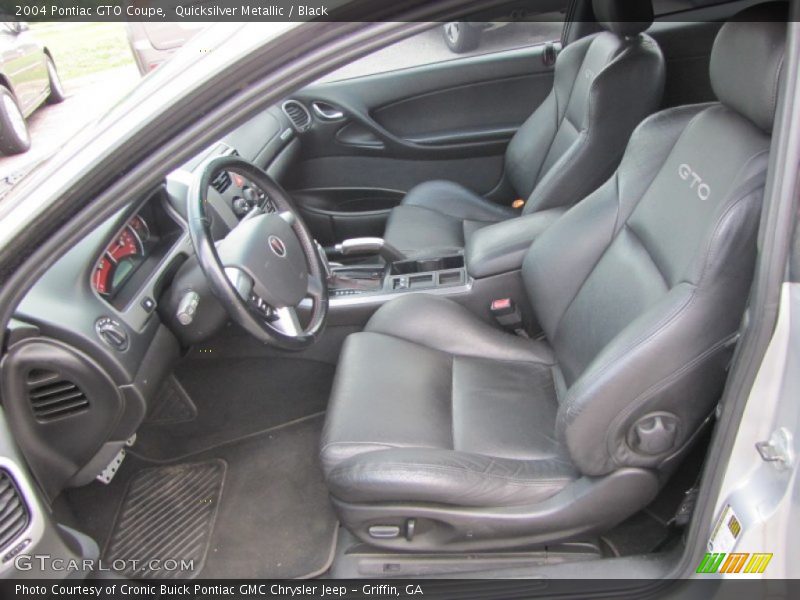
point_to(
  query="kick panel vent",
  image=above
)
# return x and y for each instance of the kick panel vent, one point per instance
(53, 397)
(298, 114)
(14, 514)
(222, 182)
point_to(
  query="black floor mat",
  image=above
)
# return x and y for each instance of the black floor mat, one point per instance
(168, 514)
(172, 405)
(274, 519)
(235, 398)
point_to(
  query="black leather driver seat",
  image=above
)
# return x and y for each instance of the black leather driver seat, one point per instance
(604, 85)
(444, 432)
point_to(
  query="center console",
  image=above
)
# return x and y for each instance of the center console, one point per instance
(365, 273)
(379, 283)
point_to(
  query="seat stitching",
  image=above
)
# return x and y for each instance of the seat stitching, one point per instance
(510, 361)
(415, 467)
(330, 445)
(560, 119)
(627, 227)
(774, 94)
(452, 401)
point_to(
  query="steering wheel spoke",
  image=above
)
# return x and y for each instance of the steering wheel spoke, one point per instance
(265, 266)
(289, 217)
(241, 282)
(286, 320)
(315, 285)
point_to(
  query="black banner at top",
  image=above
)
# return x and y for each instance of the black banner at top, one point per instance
(320, 10)
(165, 10)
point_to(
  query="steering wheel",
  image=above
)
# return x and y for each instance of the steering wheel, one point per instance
(265, 266)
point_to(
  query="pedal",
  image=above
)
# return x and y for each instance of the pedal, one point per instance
(108, 473)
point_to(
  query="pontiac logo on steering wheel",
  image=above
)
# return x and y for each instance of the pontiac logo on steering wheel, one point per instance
(277, 245)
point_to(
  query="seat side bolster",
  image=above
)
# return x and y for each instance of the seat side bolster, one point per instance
(448, 477)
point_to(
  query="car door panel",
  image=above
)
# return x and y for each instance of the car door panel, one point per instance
(372, 138)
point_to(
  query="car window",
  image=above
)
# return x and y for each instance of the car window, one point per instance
(448, 41)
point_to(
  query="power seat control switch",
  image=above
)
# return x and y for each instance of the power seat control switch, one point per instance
(187, 308)
(384, 532)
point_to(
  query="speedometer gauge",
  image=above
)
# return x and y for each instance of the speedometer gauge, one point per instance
(140, 228)
(121, 257)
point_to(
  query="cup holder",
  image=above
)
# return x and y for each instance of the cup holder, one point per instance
(425, 265)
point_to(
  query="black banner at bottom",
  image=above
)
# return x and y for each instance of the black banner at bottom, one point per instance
(495, 589)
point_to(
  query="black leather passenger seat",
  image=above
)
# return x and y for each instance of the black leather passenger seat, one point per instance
(604, 85)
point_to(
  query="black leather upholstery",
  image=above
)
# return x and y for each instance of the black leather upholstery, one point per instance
(453, 408)
(754, 29)
(437, 416)
(604, 85)
(502, 248)
(419, 226)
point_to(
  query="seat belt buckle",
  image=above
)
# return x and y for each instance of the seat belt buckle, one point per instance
(508, 316)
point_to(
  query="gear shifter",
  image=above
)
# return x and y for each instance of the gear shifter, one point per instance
(367, 246)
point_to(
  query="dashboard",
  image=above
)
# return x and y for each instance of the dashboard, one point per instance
(102, 318)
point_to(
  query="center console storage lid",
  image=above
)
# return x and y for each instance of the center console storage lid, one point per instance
(501, 247)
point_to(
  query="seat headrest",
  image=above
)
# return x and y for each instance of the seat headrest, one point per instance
(624, 17)
(747, 61)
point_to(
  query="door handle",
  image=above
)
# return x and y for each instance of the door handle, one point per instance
(327, 112)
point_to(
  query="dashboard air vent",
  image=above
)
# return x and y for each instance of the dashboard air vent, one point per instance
(53, 397)
(222, 182)
(14, 514)
(298, 114)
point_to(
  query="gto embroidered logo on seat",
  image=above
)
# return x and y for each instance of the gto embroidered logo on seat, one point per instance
(695, 181)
